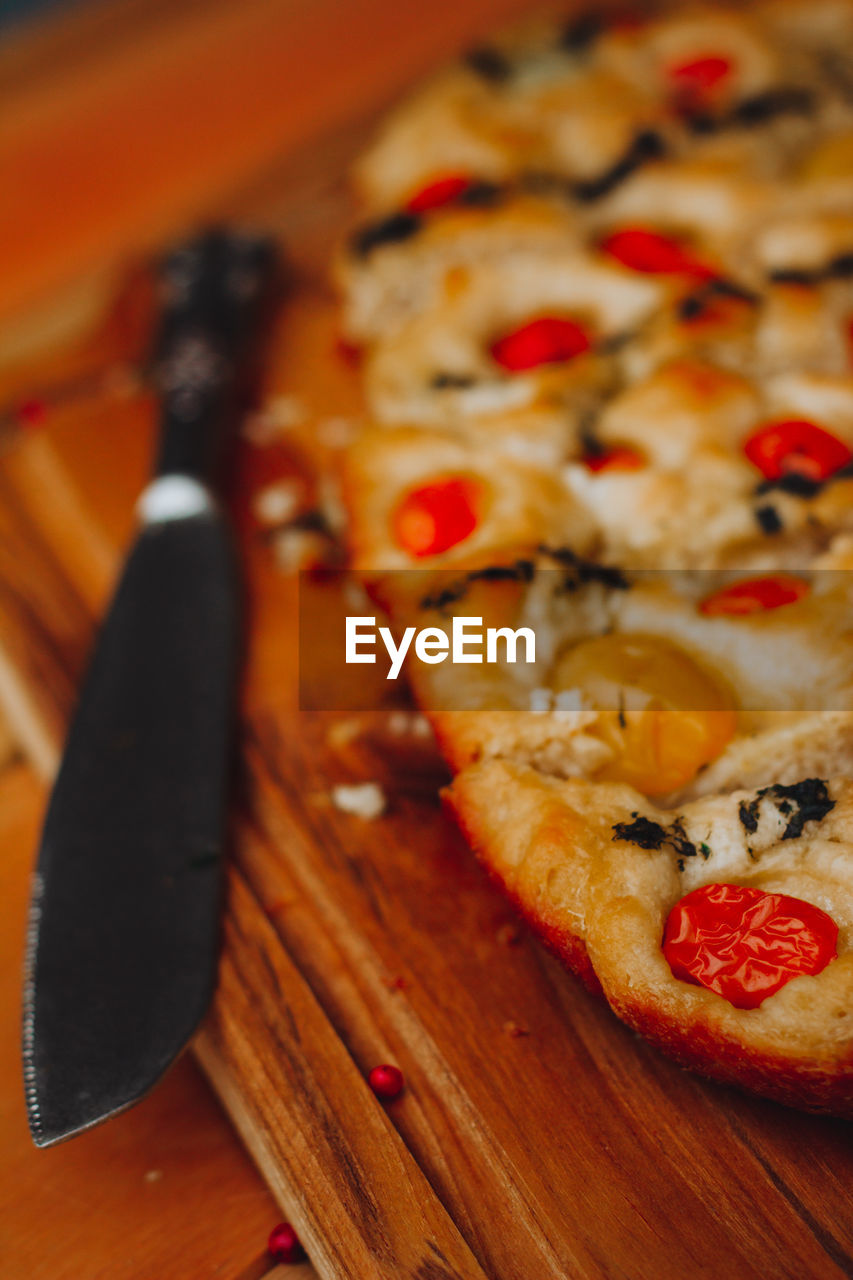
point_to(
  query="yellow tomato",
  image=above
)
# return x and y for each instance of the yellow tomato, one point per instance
(662, 715)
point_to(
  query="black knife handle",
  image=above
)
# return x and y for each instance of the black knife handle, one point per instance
(215, 289)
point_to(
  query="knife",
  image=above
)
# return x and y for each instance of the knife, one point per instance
(124, 915)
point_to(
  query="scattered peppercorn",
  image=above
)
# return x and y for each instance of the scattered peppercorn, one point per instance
(31, 413)
(387, 1082)
(284, 1245)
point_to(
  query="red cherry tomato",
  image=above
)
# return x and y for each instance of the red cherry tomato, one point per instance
(620, 458)
(796, 445)
(746, 944)
(547, 340)
(435, 517)
(698, 76)
(439, 192)
(652, 253)
(754, 595)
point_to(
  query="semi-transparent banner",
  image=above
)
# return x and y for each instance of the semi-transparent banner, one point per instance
(575, 636)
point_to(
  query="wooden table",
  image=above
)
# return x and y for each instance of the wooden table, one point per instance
(166, 1181)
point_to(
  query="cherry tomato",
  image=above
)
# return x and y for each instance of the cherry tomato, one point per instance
(696, 78)
(619, 458)
(754, 595)
(653, 253)
(435, 517)
(714, 312)
(439, 192)
(547, 340)
(798, 446)
(746, 944)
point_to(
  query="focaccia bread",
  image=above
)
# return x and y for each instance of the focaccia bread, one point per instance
(603, 284)
(597, 872)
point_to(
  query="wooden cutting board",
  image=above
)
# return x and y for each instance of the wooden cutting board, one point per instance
(537, 1138)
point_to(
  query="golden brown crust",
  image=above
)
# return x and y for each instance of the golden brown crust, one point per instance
(600, 902)
(530, 845)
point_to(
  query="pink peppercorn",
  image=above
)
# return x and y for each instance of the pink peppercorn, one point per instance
(284, 1245)
(31, 413)
(386, 1082)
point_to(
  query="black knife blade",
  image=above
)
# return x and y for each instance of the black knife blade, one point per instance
(126, 897)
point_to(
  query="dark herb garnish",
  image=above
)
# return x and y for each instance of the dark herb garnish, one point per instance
(794, 275)
(838, 268)
(806, 801)
(647, 146)
(763, 107)
(769, 520)
(841, 267)
(801, 486)
(518, 571)
(590, 443)
(642, 832)
(394, 229)
(652, 835)
(488, 63)
(480, 195)
(585, 570)
(614, 342)
(756, 110)
(581, 33)
(793, 482)
(446, 381)
(691, 307)
(748, 814)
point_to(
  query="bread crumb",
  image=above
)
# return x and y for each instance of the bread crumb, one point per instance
(509, 934)
(406, 724)
(296, 549)
(363, 799)
(278, 414)
(541, 700)
(562, 705)
(331, 503)
(277, 503)
(336, 433)
(355, 597)
(343, 732)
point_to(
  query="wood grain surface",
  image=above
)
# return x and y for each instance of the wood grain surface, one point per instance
(537, 1138)
(163, 1191)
